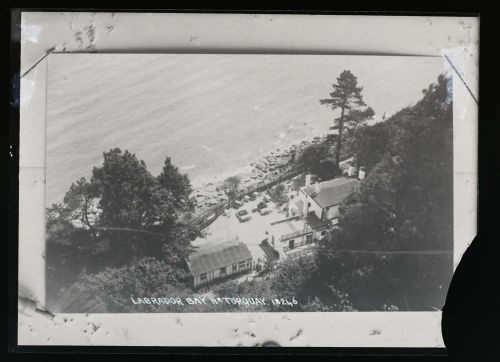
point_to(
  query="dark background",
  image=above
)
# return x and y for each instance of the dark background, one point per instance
(470, 316)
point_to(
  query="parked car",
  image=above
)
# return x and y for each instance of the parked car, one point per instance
(261, 205)
(265, 211)
(210, 217)
(236, 204)
(243, 215)
(242, 212)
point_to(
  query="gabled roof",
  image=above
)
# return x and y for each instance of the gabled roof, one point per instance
(214, 256)
(332, 192)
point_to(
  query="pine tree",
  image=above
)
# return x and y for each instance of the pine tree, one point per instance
(347, 98)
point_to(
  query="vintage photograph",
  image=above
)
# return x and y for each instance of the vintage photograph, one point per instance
(206, 183)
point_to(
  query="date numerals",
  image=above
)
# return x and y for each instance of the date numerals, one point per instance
(284, 301)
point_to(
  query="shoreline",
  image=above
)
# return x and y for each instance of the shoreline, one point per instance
(207, 192)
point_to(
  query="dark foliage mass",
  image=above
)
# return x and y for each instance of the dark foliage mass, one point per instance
(123, 214)
(278, 194)
(392, 248)
(318, 161)
(404, 204)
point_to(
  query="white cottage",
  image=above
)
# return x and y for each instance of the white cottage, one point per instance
(219, 260)
(324, 198)
(318, 203)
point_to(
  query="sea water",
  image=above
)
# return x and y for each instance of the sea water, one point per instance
(212, 114)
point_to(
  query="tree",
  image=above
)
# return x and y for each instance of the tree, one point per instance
(278, 194)
(177, 185)
(372, 144)
(312, 156)
(347, 98)
(316, 160)
(128, 193)
(138, 217)
(337, 302)
(402, 217)
(231, 185)
(111, 290)
(78, 202)
(121, 215)
(251, 289)
(295, 279)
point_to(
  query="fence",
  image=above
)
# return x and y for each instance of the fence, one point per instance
(309, 250)
(306, 231)
(296, 245)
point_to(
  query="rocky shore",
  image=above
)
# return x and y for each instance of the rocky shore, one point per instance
(268, 167)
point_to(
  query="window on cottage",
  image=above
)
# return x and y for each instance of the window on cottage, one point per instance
(203, 277)
(249, 263)
(242, 265)
(222, 271)
(309, 238)
(235, 268)
(323, 233)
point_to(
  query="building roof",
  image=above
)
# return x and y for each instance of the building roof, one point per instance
(332, 192)
(270, 253)
(289, 228)
(315, 223)
(217, 255)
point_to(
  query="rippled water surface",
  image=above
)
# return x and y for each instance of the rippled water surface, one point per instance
(213, 114)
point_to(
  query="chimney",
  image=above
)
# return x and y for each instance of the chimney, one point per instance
(308, 179)
(361, 173)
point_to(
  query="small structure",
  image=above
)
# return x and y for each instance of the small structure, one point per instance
(324, 198)
(361, 173)
(318, 203)
(349, 167)
(295, 207)
(290, 233)
(271, 255)
(318, 226)
(308, 179)
(219, 260)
